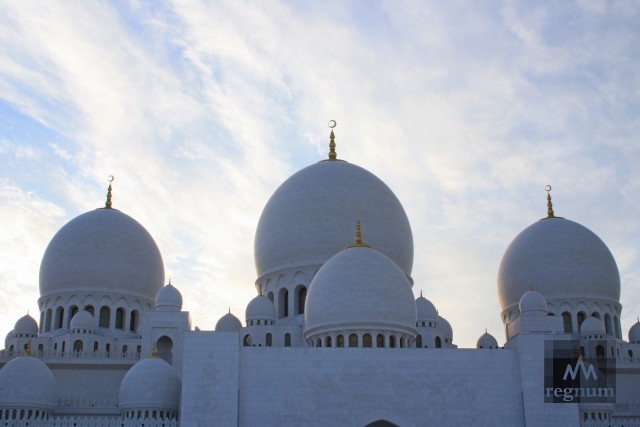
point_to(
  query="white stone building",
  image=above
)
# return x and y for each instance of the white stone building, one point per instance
(334, 335)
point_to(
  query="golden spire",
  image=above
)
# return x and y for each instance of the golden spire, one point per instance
(27, 348)
(332, 144)
(108, 202)
(549, 204)
(154, 351)
(358, 243)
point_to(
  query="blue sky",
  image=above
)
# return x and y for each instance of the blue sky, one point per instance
(201, 109)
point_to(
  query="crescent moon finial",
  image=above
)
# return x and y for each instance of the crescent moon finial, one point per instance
(107, 204)
(550, 213)
(332, 144)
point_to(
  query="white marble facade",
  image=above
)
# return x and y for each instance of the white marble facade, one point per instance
(306, 354)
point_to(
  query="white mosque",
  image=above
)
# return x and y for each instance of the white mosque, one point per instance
(334, 336)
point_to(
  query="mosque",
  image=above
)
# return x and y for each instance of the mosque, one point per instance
(334, 335)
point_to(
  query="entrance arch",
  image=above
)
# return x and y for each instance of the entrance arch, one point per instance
(381, 423)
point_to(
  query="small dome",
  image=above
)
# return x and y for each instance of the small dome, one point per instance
(358, 288)
(8, 339)
(309, 218)
(425, 310)
(27, 383)
(560, 258)
(83, 320)
(102, 252)
(445, 327)
(169, 299)
(150, 384)
(260, 308)
(533, 302)
(487, 340)
(26, 325)
(228, 323)
(592, 326)
(634, 333)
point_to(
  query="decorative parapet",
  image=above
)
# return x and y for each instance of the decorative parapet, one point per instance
(5, 356)
(90, 422)
(622, 422)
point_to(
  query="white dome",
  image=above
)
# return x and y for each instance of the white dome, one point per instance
(260, 308)
(101, 252)
(26, 325)
(487, 341)
(634, 333)
(169, 299)
(592, 326)
(310, 218)
(83, 320)
(27, 383)
(150, 384)
(8, 339)
(425, 310)
(563, 260)
(360, 288)
(228, 323)
(533, 302)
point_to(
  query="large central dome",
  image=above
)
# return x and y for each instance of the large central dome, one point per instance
(310, 218)
(101, 252)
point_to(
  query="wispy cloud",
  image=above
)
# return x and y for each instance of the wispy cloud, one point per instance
(201, 109)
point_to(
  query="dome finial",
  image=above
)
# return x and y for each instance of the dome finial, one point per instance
(154, 350)
(27, 348)
(549, 204)
(332, 144)
(358, 242)
(420, 293)
(108, 202)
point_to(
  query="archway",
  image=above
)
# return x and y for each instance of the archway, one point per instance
(381, 423)
(164, 347)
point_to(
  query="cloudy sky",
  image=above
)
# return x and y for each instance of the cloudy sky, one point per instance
(201, 109)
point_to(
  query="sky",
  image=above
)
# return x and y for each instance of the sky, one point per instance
(201, 109)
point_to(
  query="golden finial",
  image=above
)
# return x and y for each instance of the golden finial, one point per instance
(229, 310)
(420, 293)
(27, 348)
(108, 202)
(358, 243)
(549, 204)
(332, 144)
(154, 351)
